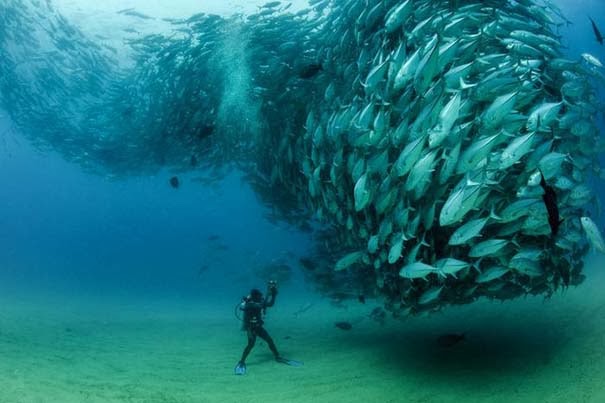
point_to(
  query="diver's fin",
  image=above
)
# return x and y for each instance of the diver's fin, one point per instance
(287, 361)
(240, 368)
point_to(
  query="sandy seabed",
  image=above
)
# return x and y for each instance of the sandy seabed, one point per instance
(68, 350)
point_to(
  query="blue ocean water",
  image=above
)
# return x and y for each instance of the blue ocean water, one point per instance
(69, 230)
(72, 230)
(579, 39)
(70, 233)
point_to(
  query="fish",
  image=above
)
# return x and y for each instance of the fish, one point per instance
(477, 152)
(427, 66)
(310, 70)
(375, 76)
(489, 247)
(307, 263)
(447, 118)
(449, 164)
(551, 165)
(496, 112)
(450, 266)
(593, 60)
(430, 295)
(420, 174)
(396, 247)
(528, 267)
(493, 273)
(271, 4)
(550, 201)
(133, 13)
(361, 298)
(467, 231)
(304, 308)
(348, 260)
(203, 268)
(205, 130)
(596, 31)
(343, 325)
(417, 270)
(397, 16)
(593, 233)
(409, 156)
(407, 71)
(516, 150)
(528, 253)
(396, 125)
(517, 209)
(459, 203)
(362, 192)
(174, 182)
(373, 244)
(543, 115)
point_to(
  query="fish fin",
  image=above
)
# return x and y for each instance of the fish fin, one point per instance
(493, 215)
(470, 182)
(423, 242)
(464, 86)
(475, 265)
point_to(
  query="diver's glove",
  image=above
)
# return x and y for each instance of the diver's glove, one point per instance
(273, 288)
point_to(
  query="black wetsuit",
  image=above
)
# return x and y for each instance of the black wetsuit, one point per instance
(253, 324)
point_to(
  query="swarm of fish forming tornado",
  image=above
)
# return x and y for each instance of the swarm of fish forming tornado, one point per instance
(441, 130)
(446, 145)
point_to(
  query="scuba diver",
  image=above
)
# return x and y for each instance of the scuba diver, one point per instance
(254, 307)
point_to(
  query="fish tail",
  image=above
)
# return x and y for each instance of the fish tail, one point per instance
(493, 215)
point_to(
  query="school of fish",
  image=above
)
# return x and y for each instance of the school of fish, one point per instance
(444, 147)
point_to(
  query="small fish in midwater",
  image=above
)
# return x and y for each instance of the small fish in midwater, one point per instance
(307, 263)
(203, 268)
(205, 131)
(193, 161)
(343, 325)
(597, 33)
(361, 298)
(174, 182)
(133, 13)
(450, 339)
(303, 309)
(310, 70)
